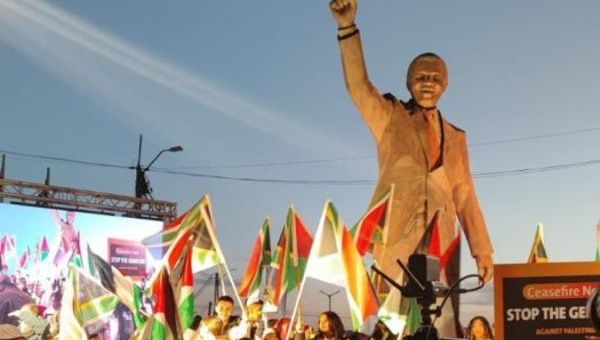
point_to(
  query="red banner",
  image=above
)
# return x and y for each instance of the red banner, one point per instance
(128, 257)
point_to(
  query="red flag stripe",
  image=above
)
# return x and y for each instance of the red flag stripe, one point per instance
(253, 267)
(304, 237)
(178, 247)
(369, 224)
(449, 251)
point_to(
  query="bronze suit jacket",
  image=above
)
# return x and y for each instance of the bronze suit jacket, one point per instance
(402, 149)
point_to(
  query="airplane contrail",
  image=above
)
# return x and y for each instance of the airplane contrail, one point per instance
(59, 37)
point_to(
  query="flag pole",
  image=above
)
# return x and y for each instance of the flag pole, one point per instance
(268, 267)
(264, 293)
(313, 250)
(213, 237)
(285, 295)
(221, 278)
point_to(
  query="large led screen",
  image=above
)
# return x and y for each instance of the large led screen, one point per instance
(37, 246)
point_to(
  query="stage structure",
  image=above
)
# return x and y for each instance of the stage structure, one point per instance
(45, 195)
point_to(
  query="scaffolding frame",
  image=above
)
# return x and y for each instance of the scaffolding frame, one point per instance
(51, 196)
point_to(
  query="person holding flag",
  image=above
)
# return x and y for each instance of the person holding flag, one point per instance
(224, 309)
(253, 323)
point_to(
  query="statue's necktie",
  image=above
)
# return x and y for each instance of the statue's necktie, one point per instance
(433, 137)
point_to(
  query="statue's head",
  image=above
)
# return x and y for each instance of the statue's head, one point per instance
(427, 79)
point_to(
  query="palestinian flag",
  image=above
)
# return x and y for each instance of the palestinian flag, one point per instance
(76, 258)
(3, 256)
(60, 259)
(44, 249)
(204, 246)
(372, 227)
(164, 324)
(70, 328)
(393, 311)
(278, 262)
(178, 248)
(291, 255)
(36, 256)
(185, 300)
(206, 250)
(93, 305)
(449, 272)
(334, 258)
(24, 259)
(159, 243)
(413, 318)
(7, 250)
(259, 259)
(200, 237)
(129, 293)
(92, 269)
(538, 251)
(402, 314)
(145, 331)
(10, 246)
(3, 241)
(435, 247)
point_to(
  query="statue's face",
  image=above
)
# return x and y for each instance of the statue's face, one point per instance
(427, 80)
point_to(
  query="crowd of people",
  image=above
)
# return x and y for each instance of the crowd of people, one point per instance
(16, 299)
(28, 310)
(21, 312)
(254, 325)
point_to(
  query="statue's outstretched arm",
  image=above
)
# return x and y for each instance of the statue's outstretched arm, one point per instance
(375, 109)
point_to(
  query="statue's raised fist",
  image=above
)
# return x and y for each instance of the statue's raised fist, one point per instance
(343, 11)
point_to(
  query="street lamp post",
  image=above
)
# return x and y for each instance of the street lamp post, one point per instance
(329, 296)
(142, 184)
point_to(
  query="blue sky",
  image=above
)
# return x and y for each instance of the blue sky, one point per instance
(238, 83)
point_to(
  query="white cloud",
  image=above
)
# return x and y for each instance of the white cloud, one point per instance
(133, 82)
